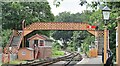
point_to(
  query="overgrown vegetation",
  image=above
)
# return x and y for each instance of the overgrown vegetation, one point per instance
(5, 35)
(94, 17)
(57, 53)
(56, 50)
(14, 12)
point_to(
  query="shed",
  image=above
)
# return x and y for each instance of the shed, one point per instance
(26, 54)
(39, 40)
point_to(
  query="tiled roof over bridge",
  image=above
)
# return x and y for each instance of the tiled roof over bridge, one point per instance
(58, 26)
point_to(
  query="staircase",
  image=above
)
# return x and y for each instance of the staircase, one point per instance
(15, 41)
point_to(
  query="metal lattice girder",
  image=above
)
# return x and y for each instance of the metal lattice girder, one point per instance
(100, 39)
(57, 26)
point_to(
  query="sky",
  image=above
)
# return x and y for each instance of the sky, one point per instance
(71, 6)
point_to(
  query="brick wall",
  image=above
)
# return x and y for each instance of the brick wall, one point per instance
(5, 58)
(25, 54)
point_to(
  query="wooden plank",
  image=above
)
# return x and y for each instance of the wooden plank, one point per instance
(27, 32)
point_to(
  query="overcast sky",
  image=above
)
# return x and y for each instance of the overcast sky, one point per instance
(67, 5)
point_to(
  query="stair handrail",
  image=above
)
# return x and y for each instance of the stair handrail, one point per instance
(10, 40)
(6, 49)
(21, 38)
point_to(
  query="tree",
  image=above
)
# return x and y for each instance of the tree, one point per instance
(78, 38)
(69, 17)
(115, 12)
(14, 12)
(97, 17)
(72, 38)
(66, 17)
(5, 35)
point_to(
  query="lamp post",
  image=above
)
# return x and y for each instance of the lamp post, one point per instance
(116, 45)
(106, 14)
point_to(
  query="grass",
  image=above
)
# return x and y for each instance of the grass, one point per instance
(0, 64)
(17, 62)
(81, 52)
(56, 53)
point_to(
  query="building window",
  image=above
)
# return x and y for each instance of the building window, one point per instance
(41, 43)
(36, 42)
(23, 53)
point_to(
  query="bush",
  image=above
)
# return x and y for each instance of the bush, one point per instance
(5, 35)
(57, 53)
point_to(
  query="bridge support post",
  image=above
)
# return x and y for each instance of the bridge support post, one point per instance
(105, 44)
(116, 45)
(118, 41)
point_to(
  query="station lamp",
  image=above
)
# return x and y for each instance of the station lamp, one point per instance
(106, 15)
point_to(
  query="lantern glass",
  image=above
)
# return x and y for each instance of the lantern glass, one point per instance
(106, 15)
(10, 48)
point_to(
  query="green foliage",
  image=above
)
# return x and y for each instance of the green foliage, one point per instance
(87, 42)
(89, 39)
(115, 6)
(73, 38)
(0, 64)
(5, 35)
(69, 48)
(85, 16)
(115, 12)
(56, 46)
(65, 35)
(95, 18)
(57, 53)
(69, 17)
(14, 12)
(56, 50)
(57, 3)
(17, 62)
(85, 47)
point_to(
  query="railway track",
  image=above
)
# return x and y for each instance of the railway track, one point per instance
(47, 62)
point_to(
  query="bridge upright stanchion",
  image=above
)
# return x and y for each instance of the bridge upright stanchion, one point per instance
(116, 45)
(118, 40)
(105, 44)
